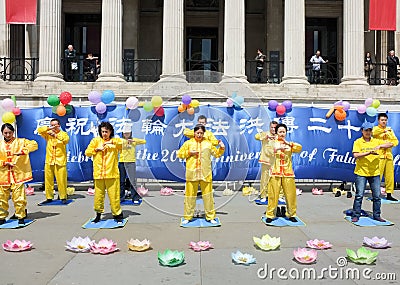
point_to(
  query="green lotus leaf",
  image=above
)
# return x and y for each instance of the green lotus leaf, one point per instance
(171, 258)
(363, 256)
(351, 254)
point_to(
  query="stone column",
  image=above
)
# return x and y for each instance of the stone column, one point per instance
(234, 41)
(294, 44)
(353, 43)
(173, 41)
(50, 41)
(4, 32)
(111, 42)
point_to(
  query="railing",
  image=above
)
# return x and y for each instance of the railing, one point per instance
(18, 69)
(272, 72)
(203, 71)
(330, 73)
(80, 69)
(377, 74)
(142, 70)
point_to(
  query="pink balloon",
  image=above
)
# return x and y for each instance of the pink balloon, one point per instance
(229, 102)
(361, 109)
(8, 104)
(368, 102)
(132, 103)
(101, 108)
(280, 110)
(16, 111)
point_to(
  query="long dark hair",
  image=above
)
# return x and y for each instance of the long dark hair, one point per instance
(107, 126)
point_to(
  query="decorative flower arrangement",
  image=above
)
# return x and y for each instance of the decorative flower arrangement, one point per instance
(90, 191)
(267, 243)
(242, 258)
(316, 191)
(137, 245)
(17, 245)
(78, 244)
(166, 191)
(298, 191)
(104, 246)
(200, 245)
(70, 190)
(303, 255)
(376, 242)
(29, 191)
(249, 190)
(318, 244)
(142, 191)
(363, 255)
(171, 258)
(227, 192)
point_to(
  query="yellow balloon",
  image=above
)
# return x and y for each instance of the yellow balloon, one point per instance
(376, 103)
(156, 101)
(8, 117)
(195, 103)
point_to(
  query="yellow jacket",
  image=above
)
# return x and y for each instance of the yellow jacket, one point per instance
(56, 151)
(367, 165)
(198, 168)
(282, 166)
(207, 136)
(105, 163)
(386, 135)
(128, 153)
(22, 171)
(267, 147)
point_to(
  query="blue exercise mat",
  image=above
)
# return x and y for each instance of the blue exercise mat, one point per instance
(283, 222)
(200, 223)
(104, 224)
(13, 224)
(130, 203)
(385, 201)
(368, 222)
(57, 203)
(258, 202)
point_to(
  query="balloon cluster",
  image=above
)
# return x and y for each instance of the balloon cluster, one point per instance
(10, 106)
(235, 101)
(339, 110)
(60, 103)
(101, 99)
(370, 107)
(280, 109)
(188, 104)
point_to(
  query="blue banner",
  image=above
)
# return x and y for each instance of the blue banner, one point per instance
(326, 154)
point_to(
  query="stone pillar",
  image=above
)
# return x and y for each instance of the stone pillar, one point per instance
(234, 41)
(50, 41)
(111, 42)
(4, 32)
(294, 44)
(173, 41)
(353, 43)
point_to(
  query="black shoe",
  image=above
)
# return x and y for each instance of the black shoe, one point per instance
(349, 195)
(268, 220)
(119, 218)
(390, 197)
(46, 202)
(21, 221)
(278, 212)
(2, 222)
(97, 219)
(64, 201)
(293, 219)
(283, 211)
(338, 193)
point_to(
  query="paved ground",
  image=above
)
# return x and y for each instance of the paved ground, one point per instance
(158, 220)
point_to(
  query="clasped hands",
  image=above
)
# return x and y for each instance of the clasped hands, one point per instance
(103, 146)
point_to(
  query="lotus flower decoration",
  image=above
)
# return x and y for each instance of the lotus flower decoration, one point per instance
(316, 191)
(29, 191)
(78, 244)
(242, 258)
(70, 190)
(104, 246)
(376, 242)
(200, 245)
(318, 244)
(227, 192)
(383, 190)
(171, 258)
(303, 255)
(137, 245)
(249, 190)
(90, 191)
(363, 255)
(17, 245)
(142, 191)
(166, 191)
(267, 243)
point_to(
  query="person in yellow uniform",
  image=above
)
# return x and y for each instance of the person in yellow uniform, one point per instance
(15, 170)
(56, 160)
(282, 176)
(197, 152)
(104, 150)
(202, 120)
(266, 157)
(366, 151)
(127, 163)
(386, 166)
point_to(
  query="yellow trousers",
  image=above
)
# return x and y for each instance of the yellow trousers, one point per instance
(190, 199)
(60, 172)
(386, 168)
(112, 186)
(264, 180)
(289, 190)
(18, 197)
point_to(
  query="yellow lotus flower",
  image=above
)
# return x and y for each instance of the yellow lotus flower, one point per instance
(267, 243)
(137, 245)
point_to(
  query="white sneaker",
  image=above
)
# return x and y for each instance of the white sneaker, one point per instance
(184, 222)
(282, 200)
(214, 222)
(263, 200)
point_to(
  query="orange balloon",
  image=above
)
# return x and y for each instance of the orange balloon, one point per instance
(190, 111)
(340, 114)
(181, 108)
(61, 111)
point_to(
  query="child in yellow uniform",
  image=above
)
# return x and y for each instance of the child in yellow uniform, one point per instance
(197, 152)
(104, 150)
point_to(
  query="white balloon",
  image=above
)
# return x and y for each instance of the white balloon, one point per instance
(132, 103)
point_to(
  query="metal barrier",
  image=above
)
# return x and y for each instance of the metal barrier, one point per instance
(272, 72)
(18, 69)
(142, 70)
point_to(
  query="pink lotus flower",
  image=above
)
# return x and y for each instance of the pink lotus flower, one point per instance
(104, 246)
(383, 190)
(166, 191)
(17, 245)
(303, 255)
(29, 191)
(90, 191)
(318, 244)
(298, 191)
(316, 191)
(200, 245)
(142, 191)
(137, 245)
(376, 242)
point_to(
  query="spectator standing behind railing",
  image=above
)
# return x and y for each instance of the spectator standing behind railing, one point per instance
(392, 63)
(94, 66)
(260, 58)
(71, 65)
(316, 61)
(368, 64)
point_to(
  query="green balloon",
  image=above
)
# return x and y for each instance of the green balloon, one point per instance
(53, 100)
(69, 108)
(148, 107)
(54, 109)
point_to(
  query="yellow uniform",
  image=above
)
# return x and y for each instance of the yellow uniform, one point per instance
(282, 176)
(367, 165)
(12, 179)
(207, 136)
(55, 163)
(198, 171)
(266, 160)
(128, 153)
(105, 173)
(386, 157)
